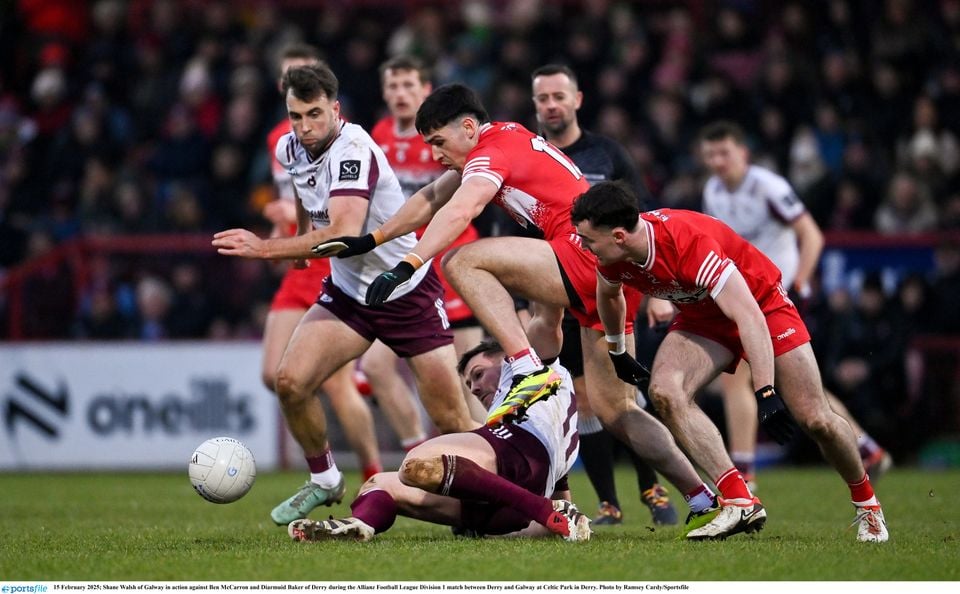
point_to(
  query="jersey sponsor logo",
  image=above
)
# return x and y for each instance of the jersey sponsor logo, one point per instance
(350, 170)
(320, 216)
(786, 334)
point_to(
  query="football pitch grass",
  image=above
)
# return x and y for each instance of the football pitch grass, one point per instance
(139, 526)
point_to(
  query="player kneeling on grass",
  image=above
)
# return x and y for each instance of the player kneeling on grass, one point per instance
(492, 480)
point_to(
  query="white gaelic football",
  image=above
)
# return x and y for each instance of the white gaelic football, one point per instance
(222, 470)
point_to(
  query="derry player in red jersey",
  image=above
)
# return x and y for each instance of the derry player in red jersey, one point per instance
(731, 306)
(298, 291)
(406, 83)
(536, 183)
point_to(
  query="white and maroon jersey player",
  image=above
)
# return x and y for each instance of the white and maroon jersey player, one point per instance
(761, 210)
(690, 259)
(537, 182)
(553, 422)
(410, 157)
(353, 165)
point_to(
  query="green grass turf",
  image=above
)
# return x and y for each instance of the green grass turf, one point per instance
(130, 526)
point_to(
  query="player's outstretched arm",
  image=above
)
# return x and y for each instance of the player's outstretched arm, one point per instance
(347, 214)
(415, 213)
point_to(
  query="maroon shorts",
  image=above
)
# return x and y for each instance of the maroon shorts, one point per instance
(300, 286)
(411, 325)
(522, 460)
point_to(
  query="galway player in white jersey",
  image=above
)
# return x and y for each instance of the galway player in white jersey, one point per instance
(493, 480)
(732, 306)
(343, 185)
(763, 209)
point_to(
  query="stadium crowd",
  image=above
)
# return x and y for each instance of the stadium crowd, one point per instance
(135, 117)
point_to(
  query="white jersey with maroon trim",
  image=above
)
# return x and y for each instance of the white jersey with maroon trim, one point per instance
(537, 182)
(411, 157)
(553, 422)
(690, 259)
(353, 165)
(761, 210)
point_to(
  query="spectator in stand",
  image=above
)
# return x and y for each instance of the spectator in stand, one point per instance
(907, 207)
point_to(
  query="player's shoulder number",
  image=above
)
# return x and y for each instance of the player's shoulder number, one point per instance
(540, 144)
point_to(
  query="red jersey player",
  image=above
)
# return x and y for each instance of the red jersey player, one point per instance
(731, 305)
(405, 82)
(536, 183)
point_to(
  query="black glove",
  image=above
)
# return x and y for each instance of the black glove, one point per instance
(383, 286)
(630, 370)
(346, 246)
(774, 417)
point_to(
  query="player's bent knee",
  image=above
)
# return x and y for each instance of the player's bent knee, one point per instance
(269, 379)
(290, 389)
(816, 426)
(422, 473)
(448, 257)
(664, 399)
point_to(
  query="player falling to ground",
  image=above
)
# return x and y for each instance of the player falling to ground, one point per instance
(731, 306)
(405, 83)
(298, 291)
(762, 207)
(490, 481)
(344, 185)
(556, 98)
(504, 163)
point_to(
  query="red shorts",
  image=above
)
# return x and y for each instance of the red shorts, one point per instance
(787, 330)
(579, 269)
(300, 287)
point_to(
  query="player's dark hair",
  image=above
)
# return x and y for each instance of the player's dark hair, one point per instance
(551, 69)
(723, 129)
(447, 103)
(607, 204)
(488, 347)
(309, 82)
(406, 63)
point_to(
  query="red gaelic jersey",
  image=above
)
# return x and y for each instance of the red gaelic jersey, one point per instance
(691, 257)
(537, 182)
(281, 179)
(408, 155)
